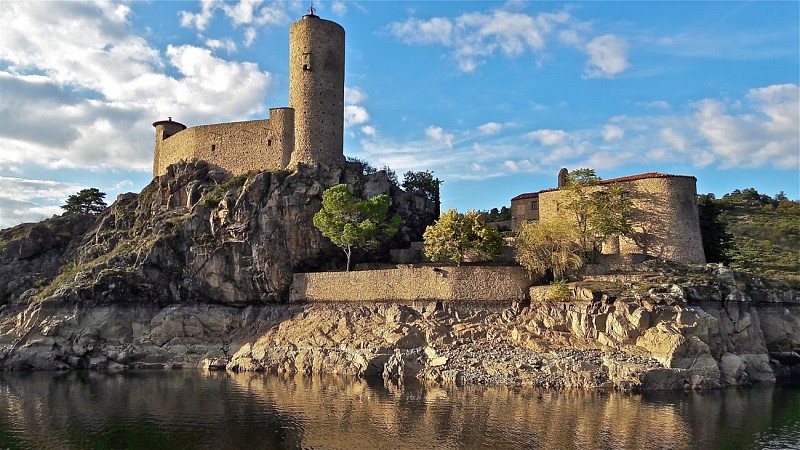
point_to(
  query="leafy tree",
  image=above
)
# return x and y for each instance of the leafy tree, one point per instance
(549, 245)
(86, 201)
(423, 182)
(455, 235)
(366, 168)
(352, 223)
(391, 175)
(497, 215)
(717, 242)
(599, 212)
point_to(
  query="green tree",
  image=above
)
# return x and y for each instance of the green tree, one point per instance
(549, 245)
(351, 223)
(717, 242)
(86, 201)
(455, 235)
(425, 183)
(599, 211)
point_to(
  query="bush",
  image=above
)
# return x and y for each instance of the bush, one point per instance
(552, 244)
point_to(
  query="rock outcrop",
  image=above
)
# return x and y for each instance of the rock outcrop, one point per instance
(194, 273)
(194, 235)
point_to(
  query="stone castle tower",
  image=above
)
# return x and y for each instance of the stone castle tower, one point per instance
(310, 131)
(316, 90)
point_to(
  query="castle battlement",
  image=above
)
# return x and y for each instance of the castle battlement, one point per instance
(310, 131)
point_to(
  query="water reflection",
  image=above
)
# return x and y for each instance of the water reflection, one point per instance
(185, 409)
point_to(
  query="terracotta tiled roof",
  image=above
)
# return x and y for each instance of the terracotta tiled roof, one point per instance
(524, 196)
(641, 176)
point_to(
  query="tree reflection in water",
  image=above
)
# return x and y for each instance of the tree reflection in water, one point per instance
(187, 409)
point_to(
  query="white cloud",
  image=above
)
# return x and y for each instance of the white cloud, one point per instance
(659, 104)
(438, 30)
(759, 129)
(339, 8)
(369, 130)
(519, 166)
(354, 112)
(199, 20)
(439, 135)
(244, 12)
(490, 128)
(476, 36)
(101, 89)
(613, 133)
(249, 36)
(608, 56)
(767, 135)
(674, 139)
(25, 200)
(355, 115)
(354, 96)
(549, 137)
(224, 44)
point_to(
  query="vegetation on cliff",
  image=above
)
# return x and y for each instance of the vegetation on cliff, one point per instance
(352, 223)
(753, 231)
(86, 201)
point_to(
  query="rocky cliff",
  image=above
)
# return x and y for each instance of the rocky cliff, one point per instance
(193, 272)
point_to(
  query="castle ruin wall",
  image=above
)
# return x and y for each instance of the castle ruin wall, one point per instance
(664, 219)
(238, 147)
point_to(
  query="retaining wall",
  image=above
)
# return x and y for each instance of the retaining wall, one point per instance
(406, 283)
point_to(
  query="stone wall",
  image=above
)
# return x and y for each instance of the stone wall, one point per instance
(664, 218)
(407, 283)
(316, 91)
(237, 147)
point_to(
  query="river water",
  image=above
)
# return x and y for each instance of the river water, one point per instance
(188, 409)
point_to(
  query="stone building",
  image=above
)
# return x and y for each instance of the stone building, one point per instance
(664, 216)
(310, 131)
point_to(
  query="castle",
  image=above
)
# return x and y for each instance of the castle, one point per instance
(309, 131)
(664, 216)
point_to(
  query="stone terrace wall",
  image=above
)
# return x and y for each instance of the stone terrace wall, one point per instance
(406, 283)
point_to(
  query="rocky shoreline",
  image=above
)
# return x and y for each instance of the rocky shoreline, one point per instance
(196, 272)
(662, 338)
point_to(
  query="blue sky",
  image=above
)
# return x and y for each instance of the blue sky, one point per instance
(494, 97)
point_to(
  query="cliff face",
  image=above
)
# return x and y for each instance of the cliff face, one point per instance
(193, 235)
(193, 272)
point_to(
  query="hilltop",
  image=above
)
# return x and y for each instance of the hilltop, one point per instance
(195, 271)
(754, 232)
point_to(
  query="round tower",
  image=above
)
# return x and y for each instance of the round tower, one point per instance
(316, 91)
(164, 130)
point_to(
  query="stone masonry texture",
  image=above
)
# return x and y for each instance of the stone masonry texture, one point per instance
(310, 131)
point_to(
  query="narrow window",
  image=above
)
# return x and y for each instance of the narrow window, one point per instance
(213, 147)
(307, 61)
(269, 142)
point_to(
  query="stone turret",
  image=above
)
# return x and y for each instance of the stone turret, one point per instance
(316, 91)
(164, 129)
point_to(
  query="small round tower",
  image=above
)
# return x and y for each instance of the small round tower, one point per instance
(164, 129)
(316, 91)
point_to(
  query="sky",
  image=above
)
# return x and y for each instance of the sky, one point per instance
(493, 97)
